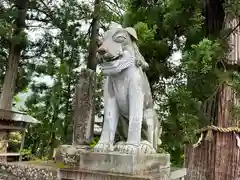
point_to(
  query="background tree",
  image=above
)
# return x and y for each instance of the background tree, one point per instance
(14, 39)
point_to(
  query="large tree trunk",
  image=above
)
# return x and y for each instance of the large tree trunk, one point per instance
(13, 58)
(10, 78)
(91, 61)
(219, 158)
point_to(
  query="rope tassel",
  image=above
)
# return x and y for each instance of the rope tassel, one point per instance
(209, 135)
(238, 140)
(199, 141)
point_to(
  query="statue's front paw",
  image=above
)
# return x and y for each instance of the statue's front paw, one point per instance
(129, 149)
(103, 147)
(147, 148)
(119, 145)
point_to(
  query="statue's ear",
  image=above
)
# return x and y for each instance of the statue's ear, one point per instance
(131, 31)
(114, 25)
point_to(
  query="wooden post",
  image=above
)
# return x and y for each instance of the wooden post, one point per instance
(23, 140)
(22, 144)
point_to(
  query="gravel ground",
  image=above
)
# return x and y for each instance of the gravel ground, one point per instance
(24, 171)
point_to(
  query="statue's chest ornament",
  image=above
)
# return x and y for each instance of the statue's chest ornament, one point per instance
(117, 66)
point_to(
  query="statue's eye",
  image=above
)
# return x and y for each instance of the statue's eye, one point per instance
(119, 39)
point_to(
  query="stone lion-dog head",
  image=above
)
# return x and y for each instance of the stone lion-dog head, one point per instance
(118, 40)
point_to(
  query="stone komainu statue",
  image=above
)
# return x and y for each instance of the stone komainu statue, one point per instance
(126, 93)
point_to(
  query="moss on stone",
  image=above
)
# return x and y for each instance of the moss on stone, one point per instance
(52, 164)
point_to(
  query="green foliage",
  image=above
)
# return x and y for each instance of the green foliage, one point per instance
(235, 83)
(232, 8)
(6, 29)
(27, 154)
(203, 57)
(14, 141)
(181, 123)
(144, 33)
(175, 11)
(94, 142)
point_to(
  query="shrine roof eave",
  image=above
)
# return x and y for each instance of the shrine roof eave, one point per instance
(13, 115)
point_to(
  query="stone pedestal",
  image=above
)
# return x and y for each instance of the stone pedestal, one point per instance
(116, 166)
(124, 163)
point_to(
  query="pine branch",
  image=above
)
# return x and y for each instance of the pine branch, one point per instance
(115, 4)
(49, 11)
(113, 10)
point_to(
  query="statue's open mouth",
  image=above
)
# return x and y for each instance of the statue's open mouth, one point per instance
(109, 58)
(116, 58)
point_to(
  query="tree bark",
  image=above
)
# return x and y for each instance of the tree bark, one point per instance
(52, 145)
(66, 126)
(91, 60)
(10, 79)
(52, 140)
(13, 58)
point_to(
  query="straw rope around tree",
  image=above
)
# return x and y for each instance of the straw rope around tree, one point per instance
(207, 133)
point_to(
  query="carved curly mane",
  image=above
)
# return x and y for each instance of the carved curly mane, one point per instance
(140, 61)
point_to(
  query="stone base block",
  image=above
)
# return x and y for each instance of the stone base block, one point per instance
(70, 174)
(116, 162)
